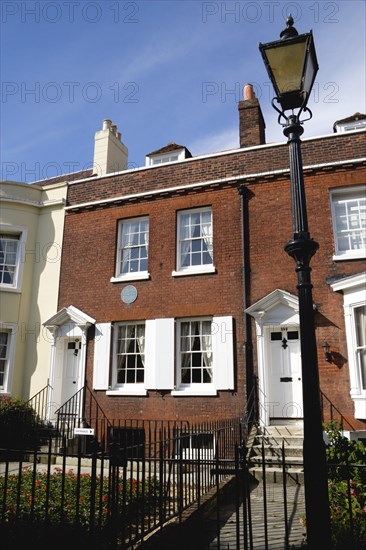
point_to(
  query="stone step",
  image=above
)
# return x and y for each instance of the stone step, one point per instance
(274, 458)
(284, 431)
(274, 474)
(296, 450)
(288, 439)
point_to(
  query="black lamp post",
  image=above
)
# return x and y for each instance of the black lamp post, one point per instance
(292, 66)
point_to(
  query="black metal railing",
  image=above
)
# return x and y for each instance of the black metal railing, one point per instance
(143, 481)
(152, 472)
(40, 402)
(251, 415)
(330, 412)
(82, 410)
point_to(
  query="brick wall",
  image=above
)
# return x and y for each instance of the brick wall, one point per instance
(90, 246)
(88, 264)
(270, 228)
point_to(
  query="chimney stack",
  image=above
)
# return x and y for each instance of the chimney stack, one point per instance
(110, 154)
(251, 122)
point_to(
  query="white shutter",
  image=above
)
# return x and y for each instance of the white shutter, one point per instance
(223, 352)
(159, 354)
(102, 350)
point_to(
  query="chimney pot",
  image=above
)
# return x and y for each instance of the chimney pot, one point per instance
(248, 92)
(107, 124)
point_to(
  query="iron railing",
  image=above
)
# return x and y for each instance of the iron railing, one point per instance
(82, 410)
(119, 499)
(120, 495)
(40, 402)
(330, 412)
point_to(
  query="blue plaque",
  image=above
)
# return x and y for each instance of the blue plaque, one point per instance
(129, 294)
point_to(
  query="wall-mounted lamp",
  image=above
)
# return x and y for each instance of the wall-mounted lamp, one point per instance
(327, 354)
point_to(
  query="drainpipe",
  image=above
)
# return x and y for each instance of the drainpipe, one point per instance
(248, 342)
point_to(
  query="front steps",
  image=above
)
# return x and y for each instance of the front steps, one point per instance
(275, 443)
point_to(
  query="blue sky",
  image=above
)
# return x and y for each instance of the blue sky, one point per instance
(162, 71)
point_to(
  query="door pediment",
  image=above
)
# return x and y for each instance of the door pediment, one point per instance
(279, 308)
(69, 321)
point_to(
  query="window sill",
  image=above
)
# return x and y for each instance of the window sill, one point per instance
(126, 392)
(5, 288)
(190, 392)
(142, 275)
(201, 270)
(344, 257)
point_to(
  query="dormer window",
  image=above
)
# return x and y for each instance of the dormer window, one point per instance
(164, 158)
(170, 153)
(355, 122)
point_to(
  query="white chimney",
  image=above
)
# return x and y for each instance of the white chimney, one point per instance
(110, 154)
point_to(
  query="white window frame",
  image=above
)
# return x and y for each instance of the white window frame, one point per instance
(349, 193)
(10, 329)
(222, 349)
(354, 295)
(165, 158)
(21, 233)
(351, 126)
(131, 275)
(126, 388)
(192, 269)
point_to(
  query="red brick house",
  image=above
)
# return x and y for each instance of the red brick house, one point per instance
(176, 293)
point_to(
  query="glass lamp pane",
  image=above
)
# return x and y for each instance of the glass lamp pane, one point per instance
(287, 63)
(310, 71)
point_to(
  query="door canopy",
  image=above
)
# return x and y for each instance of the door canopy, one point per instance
(277, 308)
(68, 318)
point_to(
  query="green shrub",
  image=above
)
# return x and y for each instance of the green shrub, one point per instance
(19, 424)
(65, 498)
(347, 489)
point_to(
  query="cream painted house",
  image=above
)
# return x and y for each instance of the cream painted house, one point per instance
(31, 233)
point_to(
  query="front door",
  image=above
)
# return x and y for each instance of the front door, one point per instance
(284, 373)
(70, 371)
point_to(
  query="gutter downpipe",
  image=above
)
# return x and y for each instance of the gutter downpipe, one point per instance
(248, 342)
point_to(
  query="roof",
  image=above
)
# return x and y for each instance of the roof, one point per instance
(172, 146)
(65, 177)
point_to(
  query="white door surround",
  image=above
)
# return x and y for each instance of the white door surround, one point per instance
(69, 328)
(278, 353)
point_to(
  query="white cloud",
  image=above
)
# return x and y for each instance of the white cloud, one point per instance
(227, 139)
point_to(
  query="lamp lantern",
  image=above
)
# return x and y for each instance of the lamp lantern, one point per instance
(292, 66)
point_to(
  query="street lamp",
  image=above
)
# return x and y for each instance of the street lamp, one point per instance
(292, 65)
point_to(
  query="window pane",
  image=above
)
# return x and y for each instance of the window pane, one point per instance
(4, 342)
(350, 227)
(195, 238)
(130, 353)
(196, 352)
(360, 323)
(133, 248)
(9, 245)
(360, 319)
(362, 361)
